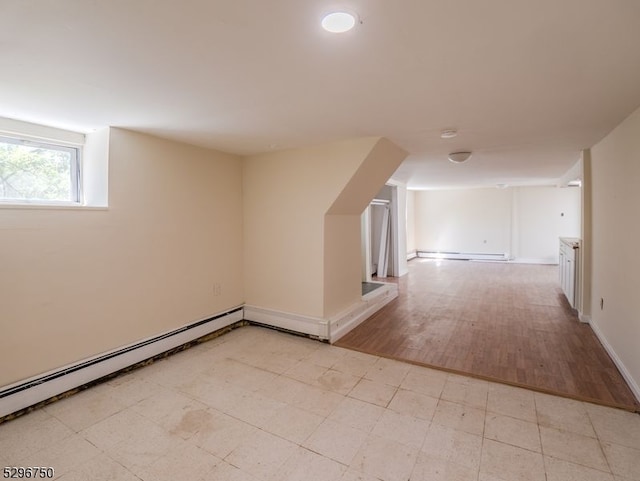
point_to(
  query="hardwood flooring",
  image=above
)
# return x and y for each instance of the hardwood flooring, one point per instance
(503, 322)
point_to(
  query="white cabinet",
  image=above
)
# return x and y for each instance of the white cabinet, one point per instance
(569, 261)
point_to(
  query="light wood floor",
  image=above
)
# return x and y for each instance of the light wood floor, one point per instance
(497, 321)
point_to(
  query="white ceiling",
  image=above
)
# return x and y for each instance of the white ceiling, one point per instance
(527, 83)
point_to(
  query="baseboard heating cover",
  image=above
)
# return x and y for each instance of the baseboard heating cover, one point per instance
(312, 326)
(28, 392)
(463, 256)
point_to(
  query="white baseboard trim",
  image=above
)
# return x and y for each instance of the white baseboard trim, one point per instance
(584, 318)
(313, 326)
(411, 255)
(633, 385)
(353, 316)
(467, 256)
(533, 260)
(25, 393)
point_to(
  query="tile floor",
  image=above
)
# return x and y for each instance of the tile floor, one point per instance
(256, 404)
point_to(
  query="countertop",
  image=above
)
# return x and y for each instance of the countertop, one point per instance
(571, 241)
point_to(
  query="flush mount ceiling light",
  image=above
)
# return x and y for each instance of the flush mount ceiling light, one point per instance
(338, 22)
(448, 133)
(459, 157)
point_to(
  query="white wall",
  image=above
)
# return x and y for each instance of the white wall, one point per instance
(396, 193)
(411, 221)
(524, 222)
(615, 276)
(569, 203)
(467, 220)
(400, 214)
(540, 216)
(376, 213)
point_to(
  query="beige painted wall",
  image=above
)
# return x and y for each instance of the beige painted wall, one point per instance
(342, 265)
(286, 197)
(77, 283)
(615, 164)
(342, 227)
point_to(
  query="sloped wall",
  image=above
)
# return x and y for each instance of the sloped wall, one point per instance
(293, 254)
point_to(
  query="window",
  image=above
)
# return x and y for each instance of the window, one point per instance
(37, 172)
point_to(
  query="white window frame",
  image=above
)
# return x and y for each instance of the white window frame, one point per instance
(75, 169)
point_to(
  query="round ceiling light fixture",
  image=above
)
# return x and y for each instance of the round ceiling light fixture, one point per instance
(338, 22)
(448, 133)
(459, 157)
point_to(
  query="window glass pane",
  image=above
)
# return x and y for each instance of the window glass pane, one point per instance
(31, 171)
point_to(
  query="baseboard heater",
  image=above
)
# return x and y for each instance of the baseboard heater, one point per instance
(463, 256)
(17, 397)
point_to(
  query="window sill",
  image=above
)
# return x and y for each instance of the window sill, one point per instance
(50, 206)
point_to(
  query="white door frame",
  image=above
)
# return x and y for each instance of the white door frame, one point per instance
(398, 267)
(365, 236)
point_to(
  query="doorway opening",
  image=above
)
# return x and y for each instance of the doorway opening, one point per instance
(382, 249)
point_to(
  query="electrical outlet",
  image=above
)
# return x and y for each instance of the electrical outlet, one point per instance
(601, 303)
(217, 289)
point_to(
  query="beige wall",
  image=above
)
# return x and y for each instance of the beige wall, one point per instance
(83, 282)
(342, 227)
(615, 165)
(342, 264)
(286, 197)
